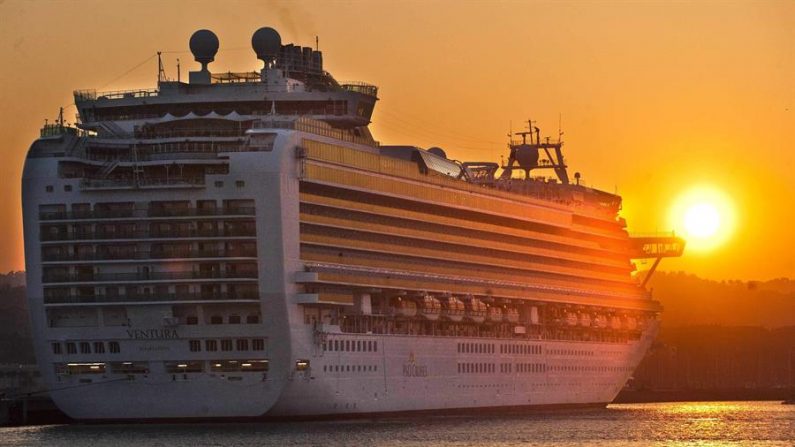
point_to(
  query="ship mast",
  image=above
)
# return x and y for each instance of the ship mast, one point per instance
(525, 156)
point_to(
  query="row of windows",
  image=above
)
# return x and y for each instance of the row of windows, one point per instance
(531, 367)
(351, 345)
(476, 348)
(231, 319)
(241, 344)
(520, 349)
(571, 352)
(508, 368)
(172, 367)
(350, 368)
(50, 188)
(574, 368)
(86, 347)
(476, 368)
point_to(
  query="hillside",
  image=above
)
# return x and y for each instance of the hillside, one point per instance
(689, 300)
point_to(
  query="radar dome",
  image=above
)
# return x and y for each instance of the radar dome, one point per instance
(204, 46)
(527, 156)
(266, 42)
(438, 151)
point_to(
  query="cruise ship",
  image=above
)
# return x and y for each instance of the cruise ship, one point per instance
(240, 246)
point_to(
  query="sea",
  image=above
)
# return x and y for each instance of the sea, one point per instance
(648, 424)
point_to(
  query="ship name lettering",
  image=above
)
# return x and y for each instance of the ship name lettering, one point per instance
(414, 370)
(152, 334)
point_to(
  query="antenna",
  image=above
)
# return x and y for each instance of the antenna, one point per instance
(317, 43)
(161, 72)
(60, 117)
(178, 71)
(560, 127)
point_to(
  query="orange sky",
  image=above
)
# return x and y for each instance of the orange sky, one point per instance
(655, 97)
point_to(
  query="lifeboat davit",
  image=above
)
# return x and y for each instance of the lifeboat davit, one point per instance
(453, 309)
(511, 315)
(534, 318)
(495, 314)
(430, 307)
(404, 307)
(476, 310)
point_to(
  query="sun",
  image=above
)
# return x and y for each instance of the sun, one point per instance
(704, 216)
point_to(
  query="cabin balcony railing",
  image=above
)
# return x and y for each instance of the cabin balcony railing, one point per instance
(143, 276)
(150, 297)
(152, 212)
(145, 255)
(174, 234)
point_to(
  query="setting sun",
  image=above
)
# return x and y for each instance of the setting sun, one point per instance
(704, 216)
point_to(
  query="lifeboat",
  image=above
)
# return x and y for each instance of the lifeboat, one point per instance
(511, 315)
(476, 310)
(404, 307)
(600, 321)
(571, 318)
(430, 307)
(495, 314)
(453, 309)
(615, 322)
(585, 320)
(632, 323)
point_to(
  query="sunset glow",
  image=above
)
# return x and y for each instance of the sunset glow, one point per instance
(705, 217)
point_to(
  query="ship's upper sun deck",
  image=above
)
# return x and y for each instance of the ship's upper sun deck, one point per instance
(291, 83)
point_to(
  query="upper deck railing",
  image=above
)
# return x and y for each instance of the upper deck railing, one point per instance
(90, 94)
(361, 87)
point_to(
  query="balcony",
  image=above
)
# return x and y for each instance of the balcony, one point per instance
(152, 212)
(151, 276)
(149, 298)
(158, 234)
(149, 255)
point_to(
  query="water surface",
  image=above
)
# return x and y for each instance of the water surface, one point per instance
(669, 424)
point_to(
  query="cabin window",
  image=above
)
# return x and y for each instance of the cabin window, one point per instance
(252, 319)
(210, 345)
(114, 347)
(226, 345)
(99, 347)
(216, 319)
(71, 348)
(257, 344)
(56, 348)
(49, 188)
(234, 319)
(195, 345)
(192, 320)
(242, 345)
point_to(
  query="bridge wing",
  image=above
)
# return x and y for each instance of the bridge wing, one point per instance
(644, 247)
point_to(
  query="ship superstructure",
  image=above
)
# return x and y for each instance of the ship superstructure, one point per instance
(240, 246)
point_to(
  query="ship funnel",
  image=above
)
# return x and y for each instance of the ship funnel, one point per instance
(266, 42)
(204, 46)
